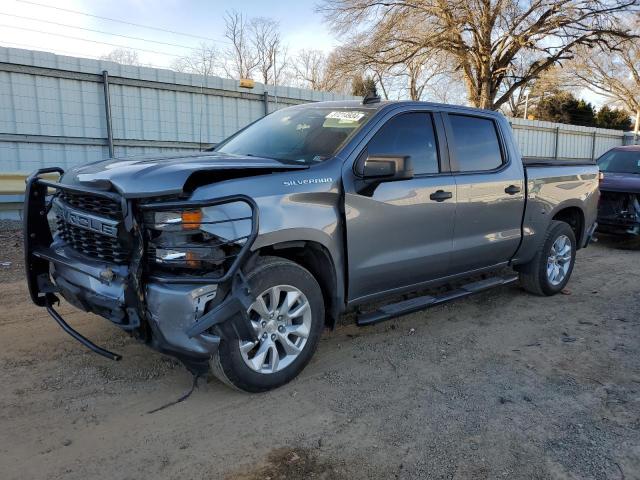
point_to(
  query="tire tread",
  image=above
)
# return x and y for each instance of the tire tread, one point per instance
(532, 275)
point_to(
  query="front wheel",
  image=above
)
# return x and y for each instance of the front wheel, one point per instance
(549, 271)
(287, 316)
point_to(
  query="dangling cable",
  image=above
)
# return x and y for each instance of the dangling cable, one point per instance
(196, 376)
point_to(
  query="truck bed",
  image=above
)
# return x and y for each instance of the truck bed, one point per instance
(553, 187)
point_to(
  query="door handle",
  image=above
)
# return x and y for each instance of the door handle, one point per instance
(512, 189)
(440, 196)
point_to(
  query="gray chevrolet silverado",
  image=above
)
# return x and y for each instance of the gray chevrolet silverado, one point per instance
(236, 259)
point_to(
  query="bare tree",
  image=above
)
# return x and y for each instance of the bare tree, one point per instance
(426, 75)
(429, 76)
(309, 67)
(348, 62)
(240, 58)
(270, 54)
(123, 56)
(203, 60)
(256, 47)
(482, 38)
(549, 82)
(317, 71)
(613, 74)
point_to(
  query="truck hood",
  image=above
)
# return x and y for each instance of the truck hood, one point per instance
(620, 182)
(148, 176)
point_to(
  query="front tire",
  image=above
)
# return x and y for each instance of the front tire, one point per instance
(288, 317)
(549, 271)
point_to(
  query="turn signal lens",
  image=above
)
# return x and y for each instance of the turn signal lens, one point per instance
(191, 219)
(192, 260)
(175, 220)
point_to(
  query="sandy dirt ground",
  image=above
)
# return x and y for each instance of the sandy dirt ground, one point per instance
(499, 385)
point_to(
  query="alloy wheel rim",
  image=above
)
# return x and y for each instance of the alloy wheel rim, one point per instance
(559, 260)
(281, 318)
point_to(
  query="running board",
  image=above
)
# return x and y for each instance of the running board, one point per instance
(416, 304)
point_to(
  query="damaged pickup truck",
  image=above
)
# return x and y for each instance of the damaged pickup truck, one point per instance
(619, 209)
(238, 258)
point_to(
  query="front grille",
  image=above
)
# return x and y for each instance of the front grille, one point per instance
(92, 244)
(101, 206)
(89, 242)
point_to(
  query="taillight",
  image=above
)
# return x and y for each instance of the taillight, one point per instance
(600, 177)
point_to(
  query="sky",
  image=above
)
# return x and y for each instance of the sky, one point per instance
(31, 24)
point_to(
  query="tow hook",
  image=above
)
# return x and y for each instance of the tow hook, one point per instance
(107, 275)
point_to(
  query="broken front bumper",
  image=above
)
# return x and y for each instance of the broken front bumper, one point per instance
(182, 316)
(619, 213)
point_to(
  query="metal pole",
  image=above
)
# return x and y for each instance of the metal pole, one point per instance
(107, 110)
(555, 153)
(526, 105)
(636, 128)
(593, 146)
(265, 99)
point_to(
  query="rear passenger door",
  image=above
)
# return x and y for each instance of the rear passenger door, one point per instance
(490, 192)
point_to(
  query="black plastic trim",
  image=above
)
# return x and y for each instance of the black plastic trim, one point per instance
(416, 304)
(83, 340)
(37, 235)
(234, 306)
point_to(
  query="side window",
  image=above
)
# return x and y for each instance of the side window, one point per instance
(408, 134)
(475, 143)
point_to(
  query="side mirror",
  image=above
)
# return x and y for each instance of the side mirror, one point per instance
(385, 167)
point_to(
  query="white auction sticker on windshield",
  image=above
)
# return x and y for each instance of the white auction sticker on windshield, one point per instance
(346, 117)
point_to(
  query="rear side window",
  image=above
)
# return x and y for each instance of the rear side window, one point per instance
(475, 143)
(408, 134)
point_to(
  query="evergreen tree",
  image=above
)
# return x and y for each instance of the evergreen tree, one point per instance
(564, 107)
(616, 119)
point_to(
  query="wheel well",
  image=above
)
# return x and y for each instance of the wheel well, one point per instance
(315, 258)
(575, 218)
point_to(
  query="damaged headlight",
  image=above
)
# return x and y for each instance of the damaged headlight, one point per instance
(189, 256)
(201, 239)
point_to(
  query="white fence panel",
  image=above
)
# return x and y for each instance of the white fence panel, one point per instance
(538, 139)
(52, 112)
(53, 109)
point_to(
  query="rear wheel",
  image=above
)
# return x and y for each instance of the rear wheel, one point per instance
(550, 270)
(287, 316)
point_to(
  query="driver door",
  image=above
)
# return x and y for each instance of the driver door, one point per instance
(400, 233)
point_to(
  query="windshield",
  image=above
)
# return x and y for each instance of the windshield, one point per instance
(620, 161)
(302, 135)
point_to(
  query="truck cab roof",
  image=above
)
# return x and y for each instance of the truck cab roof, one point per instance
(384, 104)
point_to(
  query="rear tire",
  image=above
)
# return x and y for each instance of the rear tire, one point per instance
(288, 330)
(550, 270)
